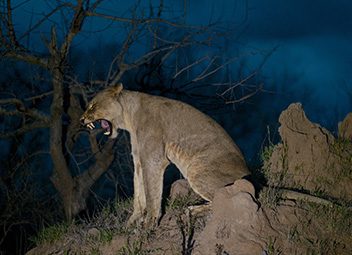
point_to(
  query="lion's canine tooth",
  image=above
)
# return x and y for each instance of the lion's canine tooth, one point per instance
(90, 125)
(107, 133)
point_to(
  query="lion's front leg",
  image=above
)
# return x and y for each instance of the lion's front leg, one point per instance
(139, 198)
(148, 185)
(154, 177)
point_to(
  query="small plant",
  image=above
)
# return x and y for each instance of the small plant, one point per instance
(279, 177)
(51, 234)
(267, 152)
(336, 218)
(106, 235)
(95, 251)
(219, 250)
(270, 197)
(134, 246)
(186, 222)
(272, 250)
(332, 229)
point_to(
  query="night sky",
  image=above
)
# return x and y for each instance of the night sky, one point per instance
(312, 55)
(306, 45)
(313, 41)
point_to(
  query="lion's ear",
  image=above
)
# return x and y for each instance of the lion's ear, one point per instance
(117, 89)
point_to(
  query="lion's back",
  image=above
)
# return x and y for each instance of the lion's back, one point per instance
(202, 150)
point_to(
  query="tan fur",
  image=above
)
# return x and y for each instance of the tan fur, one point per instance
(163, 131)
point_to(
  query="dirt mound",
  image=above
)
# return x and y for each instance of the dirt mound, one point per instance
(306, 208)
(237, 226)
(303, 211)
(181, 188)
(309, 158)
(345, 127)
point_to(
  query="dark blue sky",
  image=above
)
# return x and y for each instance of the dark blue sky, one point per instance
(313, 59)
(312, 62)
(313, 39)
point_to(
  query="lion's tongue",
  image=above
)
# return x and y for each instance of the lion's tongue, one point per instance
(104, 124)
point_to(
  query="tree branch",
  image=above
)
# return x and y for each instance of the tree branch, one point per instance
(26, 57)
(140, 21)
(245, 97)
(21, 109)
(42, 20)
(11, 30)
(188, 67)
(75, 28)
(24, 129)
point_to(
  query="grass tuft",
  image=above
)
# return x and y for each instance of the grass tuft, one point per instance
(51, 234)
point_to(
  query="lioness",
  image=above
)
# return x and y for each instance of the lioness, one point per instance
(163, 130)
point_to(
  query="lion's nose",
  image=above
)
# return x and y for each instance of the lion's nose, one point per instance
(82, 121)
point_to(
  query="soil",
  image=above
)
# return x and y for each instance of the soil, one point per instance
(304, 208)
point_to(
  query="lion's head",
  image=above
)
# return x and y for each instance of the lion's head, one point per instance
(104, 111)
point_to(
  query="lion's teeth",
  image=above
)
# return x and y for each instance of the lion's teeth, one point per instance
(91, 125)
(107, 133)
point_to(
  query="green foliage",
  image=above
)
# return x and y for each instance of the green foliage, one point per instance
(135, 247)
(332, 229)
(106, 235)
(270, 197)
(267, 152)
(137, 239)
(272, 249)
(95, 251)
(51, 234)
(123, 209)
(108, 222)
(187, 223)
(336, 218)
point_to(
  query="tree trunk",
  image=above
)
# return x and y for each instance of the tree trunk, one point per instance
(73, 191)
(61, 176)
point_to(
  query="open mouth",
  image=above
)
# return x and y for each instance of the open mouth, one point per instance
(102, 124)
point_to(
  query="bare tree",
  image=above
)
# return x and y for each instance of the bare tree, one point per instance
(165, 64)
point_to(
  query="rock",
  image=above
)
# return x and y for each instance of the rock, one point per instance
(306, 157)
(241, 185)
(238, 226)
(94, 233)
(345, 127)
(181, 188)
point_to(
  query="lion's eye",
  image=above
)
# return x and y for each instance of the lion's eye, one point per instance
(91, 107)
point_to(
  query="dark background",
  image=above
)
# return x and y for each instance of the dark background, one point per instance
(300, 51)
(306, 46)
